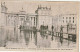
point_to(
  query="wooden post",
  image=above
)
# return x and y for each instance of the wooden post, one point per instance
(52, 32)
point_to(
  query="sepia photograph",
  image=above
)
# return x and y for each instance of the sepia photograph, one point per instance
(39, 25)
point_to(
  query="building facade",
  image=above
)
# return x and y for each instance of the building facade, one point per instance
(11, 22)
(68, 18)
(33, 20)
(65, 20)
(44, 16)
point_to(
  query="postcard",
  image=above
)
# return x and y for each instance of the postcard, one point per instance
(39, 25)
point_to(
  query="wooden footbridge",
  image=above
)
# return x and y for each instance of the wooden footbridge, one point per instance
(71, 32)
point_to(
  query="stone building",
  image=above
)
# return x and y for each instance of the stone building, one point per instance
(44, 16)
(11, 21)
(33, 20)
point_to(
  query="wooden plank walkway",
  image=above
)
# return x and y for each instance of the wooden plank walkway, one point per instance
(67, 33)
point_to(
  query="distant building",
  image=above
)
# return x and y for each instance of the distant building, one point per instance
(67, 19)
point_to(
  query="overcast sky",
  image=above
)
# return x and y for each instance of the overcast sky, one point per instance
(30, 7)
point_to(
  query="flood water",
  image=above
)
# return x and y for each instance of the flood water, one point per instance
(32, 39)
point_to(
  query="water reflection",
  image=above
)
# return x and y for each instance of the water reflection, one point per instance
(44, 40)
(35, 37)
(26, 36)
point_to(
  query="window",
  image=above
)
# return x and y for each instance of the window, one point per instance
(73, 17)
(69, 17)
(31, 18)
(63, 17)
(34, 20)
